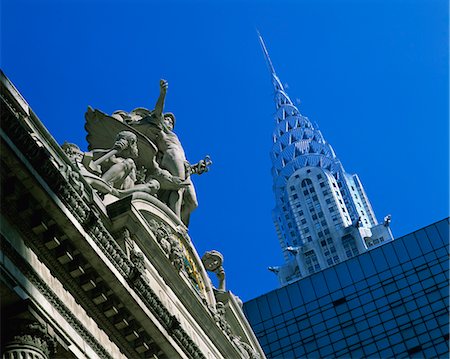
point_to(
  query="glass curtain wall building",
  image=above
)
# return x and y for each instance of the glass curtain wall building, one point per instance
(389, 302)
(322, 214)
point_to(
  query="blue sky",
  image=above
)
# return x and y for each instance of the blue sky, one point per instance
(372, 74)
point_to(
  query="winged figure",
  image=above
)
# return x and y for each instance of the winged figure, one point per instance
(161, 155)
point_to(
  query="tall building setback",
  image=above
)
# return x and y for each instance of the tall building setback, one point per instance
(390, 302)
(322, 214)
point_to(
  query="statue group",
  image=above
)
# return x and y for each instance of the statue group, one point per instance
(138, 151)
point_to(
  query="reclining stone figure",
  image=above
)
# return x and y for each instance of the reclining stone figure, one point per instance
(112, 171)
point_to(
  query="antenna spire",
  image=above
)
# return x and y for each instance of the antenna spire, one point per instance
(275, 80)
(266, 54)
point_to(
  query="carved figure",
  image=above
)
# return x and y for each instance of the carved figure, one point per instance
(213, 261)
(161, 152)
(118, 171)
(111, 171)
(176, 253)
(220, 318)
(102, 129)
(158, 126)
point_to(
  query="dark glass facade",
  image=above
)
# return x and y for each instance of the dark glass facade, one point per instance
(389, 302)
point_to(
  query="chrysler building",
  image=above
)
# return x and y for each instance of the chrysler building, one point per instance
(322, 214)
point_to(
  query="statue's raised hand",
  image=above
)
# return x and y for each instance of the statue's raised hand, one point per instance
(163, 85)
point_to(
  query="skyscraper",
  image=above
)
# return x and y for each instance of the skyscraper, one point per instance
(390, 302)
(322, 214)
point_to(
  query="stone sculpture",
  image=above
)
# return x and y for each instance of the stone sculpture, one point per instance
(111, 171)
(161, 155)
(213, 261)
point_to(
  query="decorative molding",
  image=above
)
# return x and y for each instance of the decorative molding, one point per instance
(221, 322)
(171, 242)
(28, 339)
(95, 228)
(46, 291)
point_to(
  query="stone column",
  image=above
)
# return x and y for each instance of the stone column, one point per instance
(28, 341)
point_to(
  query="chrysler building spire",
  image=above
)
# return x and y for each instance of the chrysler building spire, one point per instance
(276, 81)
(322, 214)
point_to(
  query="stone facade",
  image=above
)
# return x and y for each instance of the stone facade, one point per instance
(93, 276)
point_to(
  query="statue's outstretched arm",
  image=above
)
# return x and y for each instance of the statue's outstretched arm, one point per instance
(159, 107)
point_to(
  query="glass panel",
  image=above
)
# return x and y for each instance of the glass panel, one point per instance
(331, 279)
(318, 281)
(315, 319)
(326, 351)
(339, 345)
(382, 344)
(307, 290)
(386, 353)
(331, 322)
(399, 247)
(324, 340)
(367, 265)
(429, 257)
(355, 270)
(343, 275)
(299, 351)
(423, 241)
(399, 348)
(324, 301)
(293, 329)
(352, 340)
(437, 240)
(295, 295)
(264, 308)
(443, 229)
(273, 302)
(395, 338)
(252, 312)
(378, 259)
(335, 336)
(313, 305)
(412, 247)
(283, 297)
(390, 255)
(278, 320)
